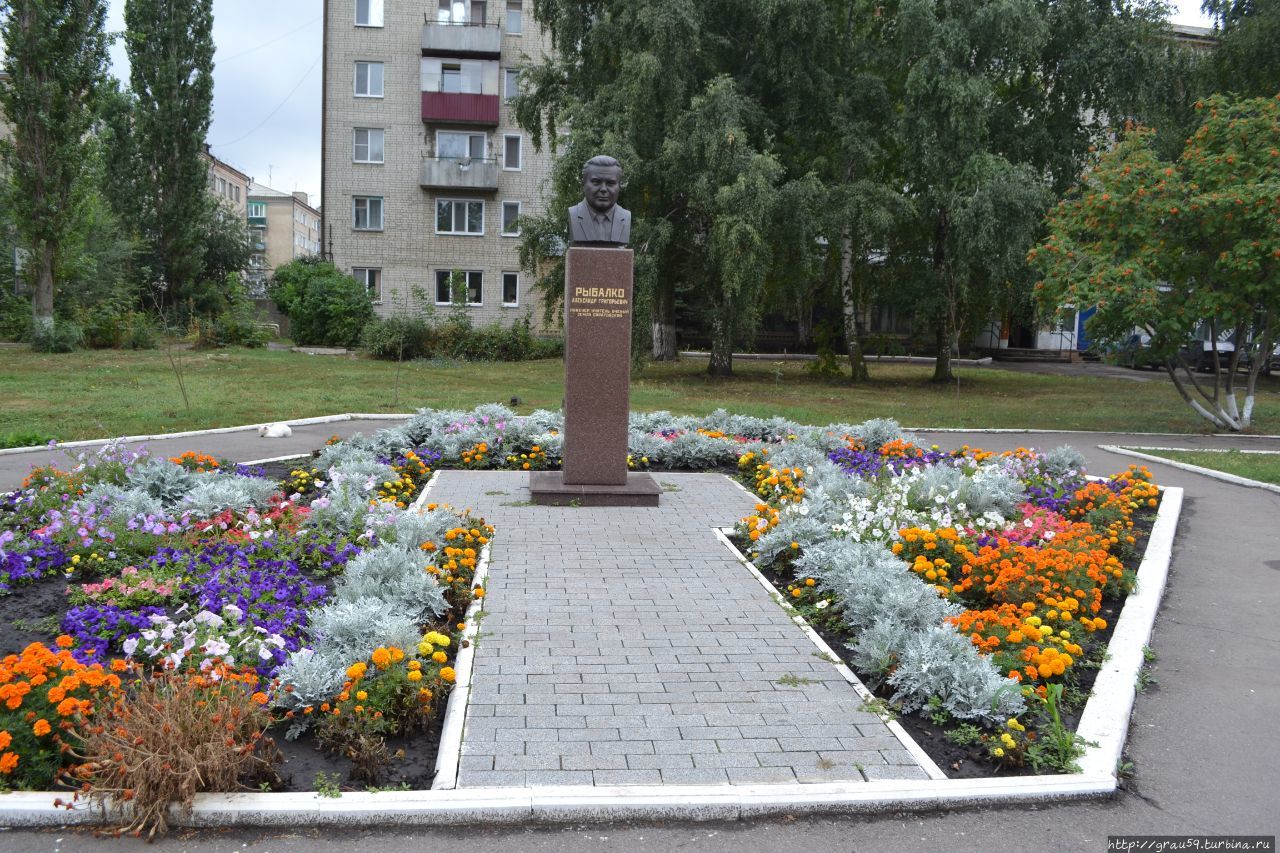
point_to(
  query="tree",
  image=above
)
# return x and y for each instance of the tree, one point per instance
(325, 307)
(1000, 102)
(170, 47)
(1171, 247)
(56, 53)
(693, 99)
(1246, 60)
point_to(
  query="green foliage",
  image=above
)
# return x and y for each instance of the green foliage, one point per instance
(24, 438)
(170, 48)
(400, 338)
(54, 62)
(1246, 61)
(1168, 246)
(406, 338)
(15, 316)
(235, 322)
(62, 337)
(325, 307)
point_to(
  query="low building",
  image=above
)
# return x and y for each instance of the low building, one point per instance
(283, 226)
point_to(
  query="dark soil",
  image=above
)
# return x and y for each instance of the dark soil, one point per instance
(32, 613)
(413, 761)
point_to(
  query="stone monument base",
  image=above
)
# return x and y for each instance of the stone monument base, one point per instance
(549, 489)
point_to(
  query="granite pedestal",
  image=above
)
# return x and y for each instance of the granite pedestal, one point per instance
(597, 395)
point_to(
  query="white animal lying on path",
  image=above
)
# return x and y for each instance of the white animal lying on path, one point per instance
(275, 431)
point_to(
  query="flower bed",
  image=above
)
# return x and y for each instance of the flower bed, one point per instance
(330, 614)
(321, 613)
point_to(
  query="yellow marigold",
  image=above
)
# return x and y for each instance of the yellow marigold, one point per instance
(356, 671)
(414, 675)
(439, 657)
(381, 658)
(448, 674)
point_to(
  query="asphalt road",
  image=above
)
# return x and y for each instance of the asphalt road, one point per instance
(1202, 740)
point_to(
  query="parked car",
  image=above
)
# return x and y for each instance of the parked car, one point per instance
(1135, 353)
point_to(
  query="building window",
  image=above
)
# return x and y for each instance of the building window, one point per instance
(368, 13)
(256, 210)
(236, 193)
(455, 216)
(450, 78)
(472, 279)
(371, 279)
(369, 79)
(511, 152)
(511, 80)
(511, 289)
(368, 145)
(511, 219)
(366, 213)
(515, 17)
(452, 145)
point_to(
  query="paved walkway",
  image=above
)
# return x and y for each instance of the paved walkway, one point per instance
(630, 647)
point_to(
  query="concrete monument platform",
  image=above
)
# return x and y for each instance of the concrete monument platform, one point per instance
(550, 489)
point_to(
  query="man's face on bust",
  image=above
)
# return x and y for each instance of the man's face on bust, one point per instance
(601, 187)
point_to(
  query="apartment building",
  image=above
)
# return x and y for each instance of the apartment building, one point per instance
(424, 170)
(228, 183)
(283, 226)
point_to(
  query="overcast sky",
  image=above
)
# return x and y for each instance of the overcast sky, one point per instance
(266, 95)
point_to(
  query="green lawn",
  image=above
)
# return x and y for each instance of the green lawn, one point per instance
(1255, 466)
(103, 393)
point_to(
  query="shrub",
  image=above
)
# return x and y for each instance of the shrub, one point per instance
(324, 306)
(63, 336)
(398, 338)
(24, 438)
(172, 736)
(15, 316)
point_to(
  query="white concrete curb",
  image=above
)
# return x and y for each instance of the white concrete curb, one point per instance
(908, 743)
(1195, 469)
(1104, 723)
(94, 442)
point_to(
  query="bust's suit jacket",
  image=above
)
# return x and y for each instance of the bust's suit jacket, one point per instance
(580, 225)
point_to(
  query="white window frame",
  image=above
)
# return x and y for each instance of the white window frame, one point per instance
(502, 223)
(468, 274)
(375, 12)
(505, 303)
(506, 166)
(382, 212)
(507, 94)
(453, 217)
(251, 206)
(382, 78)
(519, 10)
(368, 144)
(364, 280)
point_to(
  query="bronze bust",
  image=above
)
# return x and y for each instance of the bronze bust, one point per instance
(597, 219)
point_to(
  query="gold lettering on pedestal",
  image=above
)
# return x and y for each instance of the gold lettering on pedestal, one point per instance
(609, 303)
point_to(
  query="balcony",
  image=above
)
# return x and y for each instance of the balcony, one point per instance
(447, 173)
(459, 108)
(446, 38)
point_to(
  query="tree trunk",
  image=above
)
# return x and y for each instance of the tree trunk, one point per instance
(721, 363)
(943, 337)
(851, 299)
(804, 320)
(42, 298)
(664, 326)
(946, 326)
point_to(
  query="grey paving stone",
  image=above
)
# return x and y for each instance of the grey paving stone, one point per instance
(627, 777)
(696, 776)
(760, 775)
(587, 661)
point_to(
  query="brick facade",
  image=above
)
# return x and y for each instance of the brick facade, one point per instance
(407, 248)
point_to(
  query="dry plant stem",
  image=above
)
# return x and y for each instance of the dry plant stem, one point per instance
(172, 736)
